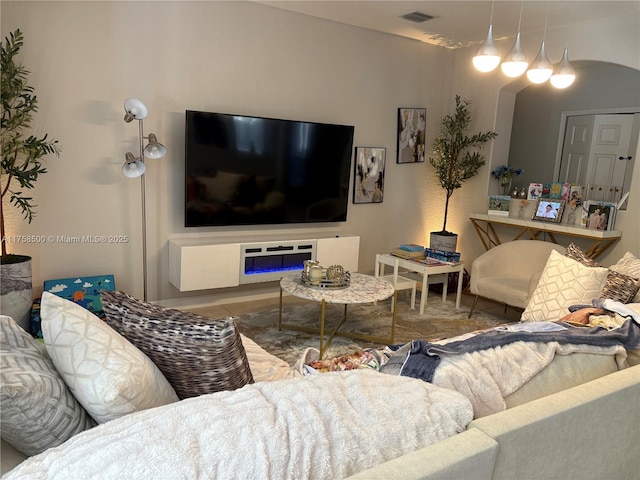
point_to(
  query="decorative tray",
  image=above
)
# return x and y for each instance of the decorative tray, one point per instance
(325, 283)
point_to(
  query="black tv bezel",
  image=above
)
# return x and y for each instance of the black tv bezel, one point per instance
(347, 171)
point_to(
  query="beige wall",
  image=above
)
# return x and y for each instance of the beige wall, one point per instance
(237, 57)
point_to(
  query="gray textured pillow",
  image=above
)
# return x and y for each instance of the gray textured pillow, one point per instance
(197, 355)
(37, 410)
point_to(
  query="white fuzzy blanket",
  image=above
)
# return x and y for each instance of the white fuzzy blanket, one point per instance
(326, 427)
(487, 377)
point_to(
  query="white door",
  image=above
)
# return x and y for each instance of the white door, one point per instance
(575, 151)
(597, 152)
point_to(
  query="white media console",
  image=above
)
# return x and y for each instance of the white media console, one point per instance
(202, 263)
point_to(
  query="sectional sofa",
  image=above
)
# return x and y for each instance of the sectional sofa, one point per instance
(577, 416)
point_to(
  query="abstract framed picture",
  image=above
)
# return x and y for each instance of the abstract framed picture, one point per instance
(368, 181)
(412, 131)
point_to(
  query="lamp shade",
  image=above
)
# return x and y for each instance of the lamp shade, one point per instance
(154, 149)
(564, 74)
(135, 110)
(541, 68)
(515, 63)
(133, 168)
(487, 57)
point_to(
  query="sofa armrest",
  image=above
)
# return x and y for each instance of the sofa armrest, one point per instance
(469, 455)
(588, 431)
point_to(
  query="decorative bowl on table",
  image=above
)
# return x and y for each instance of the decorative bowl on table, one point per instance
(332, 277)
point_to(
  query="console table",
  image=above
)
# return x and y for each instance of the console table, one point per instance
(483, 224)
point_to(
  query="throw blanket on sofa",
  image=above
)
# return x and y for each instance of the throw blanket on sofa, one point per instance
(419, 359)
(325, 427)
(490, 365)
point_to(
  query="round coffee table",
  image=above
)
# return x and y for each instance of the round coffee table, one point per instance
(362, 289)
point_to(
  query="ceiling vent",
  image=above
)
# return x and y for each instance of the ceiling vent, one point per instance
(416, 17)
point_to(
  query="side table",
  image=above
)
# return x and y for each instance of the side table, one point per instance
(424, 269)
(362, 289)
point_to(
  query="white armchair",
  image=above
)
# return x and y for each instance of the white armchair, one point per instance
(509, 272)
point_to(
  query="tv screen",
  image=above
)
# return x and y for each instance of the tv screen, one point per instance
(244, 170)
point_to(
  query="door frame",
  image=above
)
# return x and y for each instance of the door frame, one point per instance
(635, 135)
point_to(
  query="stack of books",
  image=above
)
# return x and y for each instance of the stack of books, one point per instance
(409, 251)
(441, 255)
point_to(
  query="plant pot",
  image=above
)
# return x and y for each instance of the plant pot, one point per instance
(445, 241)
(16, 291)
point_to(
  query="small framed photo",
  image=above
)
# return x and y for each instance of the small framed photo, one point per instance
(412, 132)
(499, 205)
(549, 210)
(368, 181)
(600, 215)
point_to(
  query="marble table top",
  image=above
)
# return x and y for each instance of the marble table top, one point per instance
(362, 289)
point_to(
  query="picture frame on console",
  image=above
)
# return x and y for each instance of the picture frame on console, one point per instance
(368, 181)
(549, 210)
(412, 133)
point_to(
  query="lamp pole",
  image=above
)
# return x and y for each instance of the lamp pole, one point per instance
(144, 216)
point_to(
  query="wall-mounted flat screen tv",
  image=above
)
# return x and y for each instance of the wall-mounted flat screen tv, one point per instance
(243, 170)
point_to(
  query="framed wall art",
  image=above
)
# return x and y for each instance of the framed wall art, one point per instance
(368, 181)
(412, 131)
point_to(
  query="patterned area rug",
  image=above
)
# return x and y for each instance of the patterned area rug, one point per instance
(440, 320)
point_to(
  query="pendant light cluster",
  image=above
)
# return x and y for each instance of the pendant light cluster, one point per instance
(515, 63)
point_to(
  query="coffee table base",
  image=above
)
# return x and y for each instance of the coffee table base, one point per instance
(324, 346)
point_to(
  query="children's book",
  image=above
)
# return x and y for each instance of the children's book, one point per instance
(535, 191)
(84, 291)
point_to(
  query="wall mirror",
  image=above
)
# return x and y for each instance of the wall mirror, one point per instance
(587, 134)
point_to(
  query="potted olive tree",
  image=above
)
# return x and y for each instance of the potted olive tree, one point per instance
(20, 167)
(455, 160)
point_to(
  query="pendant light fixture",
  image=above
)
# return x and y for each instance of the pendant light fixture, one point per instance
(564, 74)
(541, 68)
(487, 57)
(515, 63)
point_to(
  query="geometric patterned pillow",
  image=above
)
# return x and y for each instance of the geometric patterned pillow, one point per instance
(620, 287)
(629, 264)
(37, 410)
(564, 282)
(196, 354)
(107, 374)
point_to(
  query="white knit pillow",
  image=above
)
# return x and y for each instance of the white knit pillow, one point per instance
(629, 264)
(564, 282)
(108, 375)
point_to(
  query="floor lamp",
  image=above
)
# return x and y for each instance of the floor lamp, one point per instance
(135, 167)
